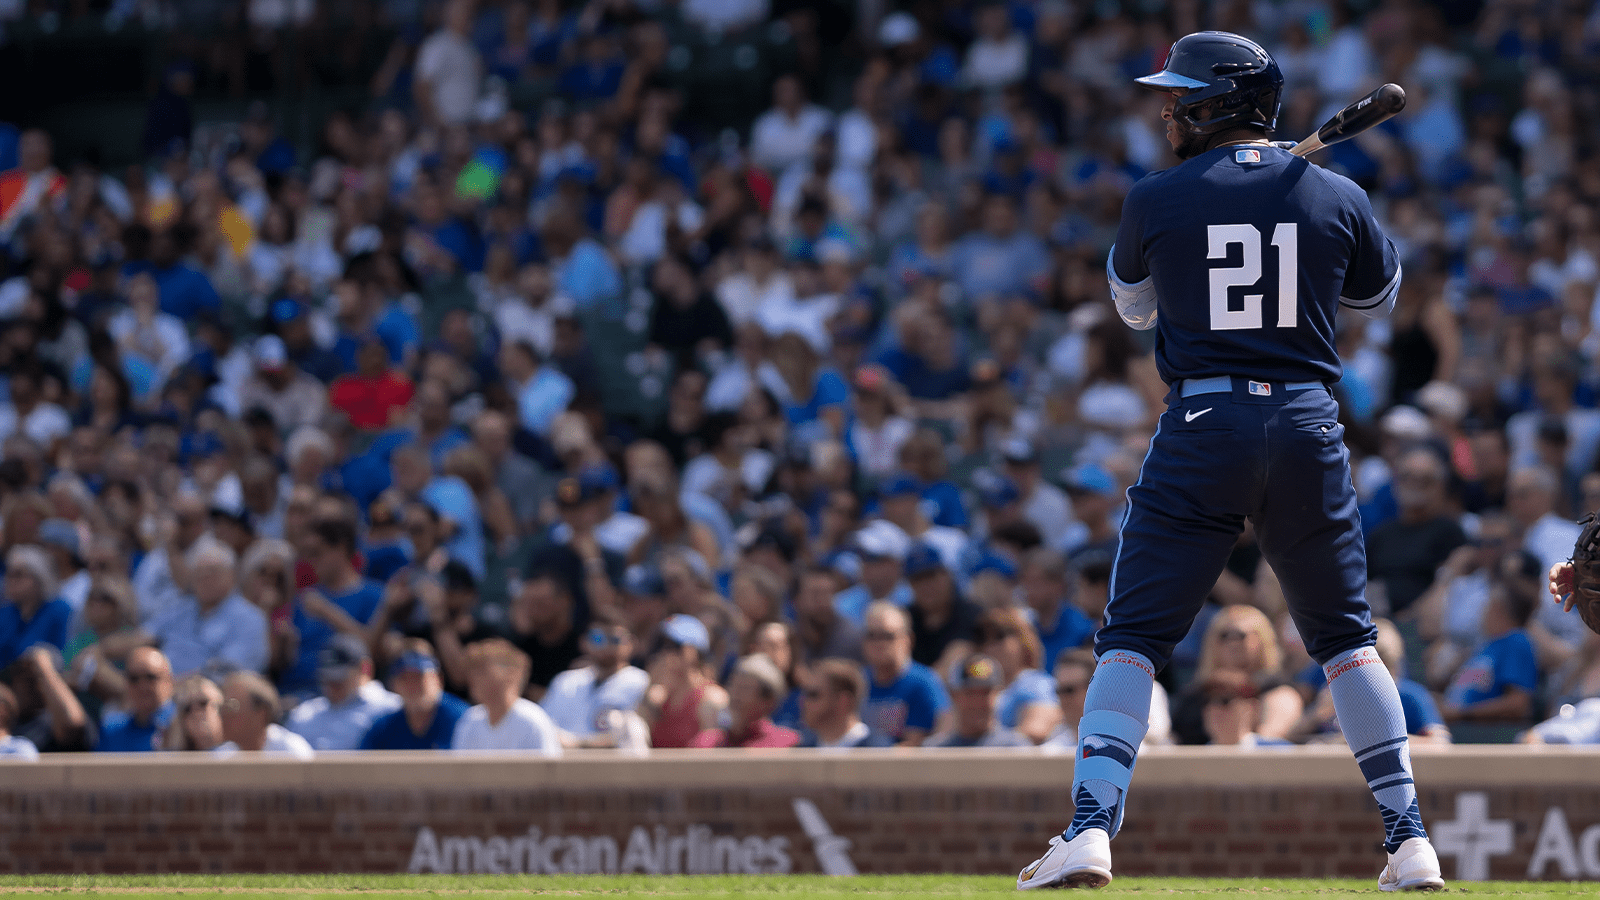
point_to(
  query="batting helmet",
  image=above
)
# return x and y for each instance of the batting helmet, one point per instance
(1230, 71)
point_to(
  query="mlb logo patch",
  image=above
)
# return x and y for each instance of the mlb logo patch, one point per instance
(1260, 389)
(1247, 156)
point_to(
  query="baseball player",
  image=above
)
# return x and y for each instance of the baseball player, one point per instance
(1239, 257)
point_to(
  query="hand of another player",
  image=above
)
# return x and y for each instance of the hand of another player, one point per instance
(1561, 585)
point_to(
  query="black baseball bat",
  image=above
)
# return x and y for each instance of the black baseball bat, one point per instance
(1373, 109)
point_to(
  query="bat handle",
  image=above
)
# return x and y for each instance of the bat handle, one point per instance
(1308, 146)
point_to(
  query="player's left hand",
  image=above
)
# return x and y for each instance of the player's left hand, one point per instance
(1561, 585)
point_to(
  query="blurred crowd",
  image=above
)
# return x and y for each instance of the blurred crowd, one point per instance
(484, 427)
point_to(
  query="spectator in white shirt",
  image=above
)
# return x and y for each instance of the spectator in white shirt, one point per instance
(783, 135)
(449, 69)
(351, 701)
(497, 674)
(28, 413)
(999, 56)
(593, 706)
(250, 710)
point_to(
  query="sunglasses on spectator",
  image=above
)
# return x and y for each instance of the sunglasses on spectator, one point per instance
(140, 677)
(1068, 690)
(603, 638)
(1222, 701)
(193, 705)
(813, 693)
(1232, 634)
(882, 635)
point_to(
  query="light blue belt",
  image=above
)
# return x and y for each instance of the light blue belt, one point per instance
(1223, 384)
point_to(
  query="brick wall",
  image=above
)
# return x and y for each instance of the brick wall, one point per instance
(1192, 813)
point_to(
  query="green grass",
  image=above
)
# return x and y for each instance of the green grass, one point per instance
(382, 887)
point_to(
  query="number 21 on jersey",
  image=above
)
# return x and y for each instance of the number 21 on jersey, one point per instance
(1285, 238)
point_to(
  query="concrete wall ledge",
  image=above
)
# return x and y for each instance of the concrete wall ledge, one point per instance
(1210, 767)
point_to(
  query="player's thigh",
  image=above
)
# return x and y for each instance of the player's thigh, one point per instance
(1183, 517)
(1309, 530)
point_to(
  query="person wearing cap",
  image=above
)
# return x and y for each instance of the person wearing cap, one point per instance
(427, 717)
(250, 710)
(212, 629)
(882, 549)
(1047, 583)
(822, 632)
(644, 610)
(755, 690)
(876, 431)
(290, 320)
(351, 700)
(30, 612)
(905, 699)
(1043, 504)
(1001, 502)
(901, 504)
(682, 700)
(14, 748)
(503, 718)
(783, 135)
(147, 705)
(975, 684)
(1094, 496)
(290, 395)
(941, 619)
(592, 705)
(59, 538)
(831, 696)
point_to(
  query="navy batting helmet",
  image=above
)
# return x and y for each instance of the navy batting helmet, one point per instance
(1226, 70)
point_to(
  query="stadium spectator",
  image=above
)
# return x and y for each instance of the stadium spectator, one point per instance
(543, 623)
(941, 619)
(905, 699)
(1232, 711)
(830, 702)
(250, 711)
(682, 700)
(340, 602)
(1027, 703)
(755, 689)
(503, 719)
(197, 721)
(1073, 670)
(1405, 554)
(350, 702)
(30, 613)
(13, 747)
(1491, 697)
(1047, 587)
(1240, 639)
(594, 705)
(975, 684)
(428, 716)
(821, 631)
(147, 705)
(212, 630)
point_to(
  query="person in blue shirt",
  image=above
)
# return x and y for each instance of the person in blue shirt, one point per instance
(185, 291)
(1003, 258)
(1497, 685)
(148, 705)
(1027, 702)
(905, 700)
(30, 612)
(428, 719)
(341, 602)
(1047, 589)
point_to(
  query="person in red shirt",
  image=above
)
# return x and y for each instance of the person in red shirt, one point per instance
(754, 692)
(375, 395)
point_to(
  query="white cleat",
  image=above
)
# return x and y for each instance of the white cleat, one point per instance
(1413, 867)
(1083, 862)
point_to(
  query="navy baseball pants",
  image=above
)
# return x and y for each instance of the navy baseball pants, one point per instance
(1267, 451)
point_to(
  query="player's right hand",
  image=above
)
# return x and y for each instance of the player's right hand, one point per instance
(1561, 585)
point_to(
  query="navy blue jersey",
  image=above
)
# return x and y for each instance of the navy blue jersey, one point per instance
(1249, 252)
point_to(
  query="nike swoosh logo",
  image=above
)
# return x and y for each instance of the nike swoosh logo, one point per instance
(1028, 872)
(1191, 416)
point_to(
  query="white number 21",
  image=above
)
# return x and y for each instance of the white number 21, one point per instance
(1286, 238)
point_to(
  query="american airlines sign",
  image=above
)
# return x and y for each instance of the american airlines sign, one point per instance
(652, 851)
